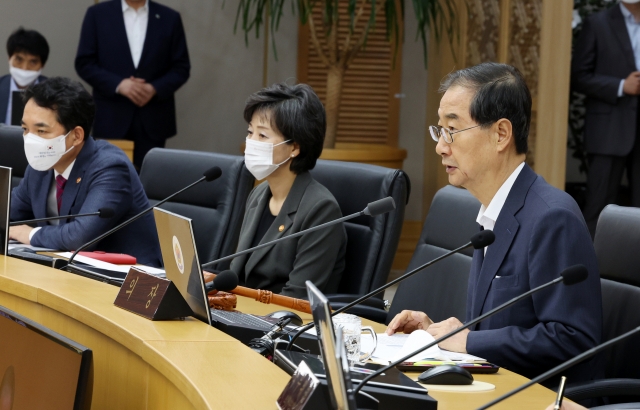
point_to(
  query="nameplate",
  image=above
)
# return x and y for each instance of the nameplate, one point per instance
(151, 297)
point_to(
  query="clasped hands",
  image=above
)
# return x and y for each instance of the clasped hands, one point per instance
(137, 90)
(409, 320)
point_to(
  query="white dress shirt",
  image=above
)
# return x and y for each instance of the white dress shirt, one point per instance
(52, 201)
(135, 23)
(633, 28)
(488, 216)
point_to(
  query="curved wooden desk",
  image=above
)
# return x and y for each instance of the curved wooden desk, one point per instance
(140, 364)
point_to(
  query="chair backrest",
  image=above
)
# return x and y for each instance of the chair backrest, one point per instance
(216, 208)
(371, 242)
(616, 244)
(441, 290)
(620, 307)
(12, 152)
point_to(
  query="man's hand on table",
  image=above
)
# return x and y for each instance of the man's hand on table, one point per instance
(409, 320)
(20, 233)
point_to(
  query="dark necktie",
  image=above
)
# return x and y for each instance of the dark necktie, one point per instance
(60, 183)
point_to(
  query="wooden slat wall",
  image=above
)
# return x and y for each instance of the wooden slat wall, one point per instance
(370, 109)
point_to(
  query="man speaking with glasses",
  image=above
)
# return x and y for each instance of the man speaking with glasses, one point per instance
(482, 133)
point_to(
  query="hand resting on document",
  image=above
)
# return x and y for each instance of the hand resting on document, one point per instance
(409, 320)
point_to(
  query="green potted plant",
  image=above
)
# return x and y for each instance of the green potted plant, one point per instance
(338, 55)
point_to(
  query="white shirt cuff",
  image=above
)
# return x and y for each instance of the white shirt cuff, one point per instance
(33, 232)
(621, 88)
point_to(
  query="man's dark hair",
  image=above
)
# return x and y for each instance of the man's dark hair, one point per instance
(29, 41)
(72, 104)
(500, 92)
(297, 113)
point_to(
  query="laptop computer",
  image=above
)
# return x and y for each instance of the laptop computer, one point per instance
(5, 205)
(333, 351)
(178, 247)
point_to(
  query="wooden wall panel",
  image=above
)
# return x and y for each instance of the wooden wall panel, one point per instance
(370, 109)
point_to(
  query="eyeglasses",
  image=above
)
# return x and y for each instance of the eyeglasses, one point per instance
(436, 132)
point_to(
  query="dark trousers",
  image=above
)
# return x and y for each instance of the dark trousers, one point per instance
(603, 181)
(142, 142)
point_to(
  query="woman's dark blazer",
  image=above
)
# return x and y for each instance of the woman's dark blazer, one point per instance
(284, 267)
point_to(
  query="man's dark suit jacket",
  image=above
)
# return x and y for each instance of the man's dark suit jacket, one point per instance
(5, 87)
(539, 233)
(102, 177)
(104, 59)
(602, 57)
(317, 256)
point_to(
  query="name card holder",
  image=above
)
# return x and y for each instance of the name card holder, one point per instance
(151, 297)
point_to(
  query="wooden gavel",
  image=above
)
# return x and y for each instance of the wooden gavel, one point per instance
(266, 296)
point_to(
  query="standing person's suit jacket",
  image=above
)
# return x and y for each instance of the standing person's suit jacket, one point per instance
(539, 233)
(102, 177)
(602, 57)
(104, 60)
(5, 86)
(317, 256)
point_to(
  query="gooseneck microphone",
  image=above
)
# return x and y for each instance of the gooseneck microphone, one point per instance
(102, 213)
(209, 175)
(562, 367)
(570, 276)
(224, 281)
(478, 241)
(375, 208)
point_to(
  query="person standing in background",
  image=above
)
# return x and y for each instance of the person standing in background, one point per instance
(605, 67)
(28, 51)
(134, 55)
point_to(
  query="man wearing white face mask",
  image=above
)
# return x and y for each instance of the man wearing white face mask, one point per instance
(71, 173)
(606, 68)
(285, 137)
(28, 51)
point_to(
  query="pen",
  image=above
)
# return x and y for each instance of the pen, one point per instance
(560, 394)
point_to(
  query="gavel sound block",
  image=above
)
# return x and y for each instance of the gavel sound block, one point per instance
(218, 300)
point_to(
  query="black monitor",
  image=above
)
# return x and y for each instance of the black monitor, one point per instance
(333, 351)
(41, 369)
(5, 203)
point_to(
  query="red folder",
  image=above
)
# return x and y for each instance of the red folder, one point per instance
(115, 258)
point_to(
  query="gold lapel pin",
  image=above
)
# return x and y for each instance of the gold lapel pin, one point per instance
(78, 180)
(281, 228)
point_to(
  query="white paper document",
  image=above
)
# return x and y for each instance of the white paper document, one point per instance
(110, 266)
(399, 345)
(15, 245)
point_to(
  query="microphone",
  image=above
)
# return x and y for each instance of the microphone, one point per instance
(562, 367)
(102, 213)
(209, 175)
(375, 208)
(569, 276)
(478, 241)
(224, 281)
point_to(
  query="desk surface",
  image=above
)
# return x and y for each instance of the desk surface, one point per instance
(143, 364)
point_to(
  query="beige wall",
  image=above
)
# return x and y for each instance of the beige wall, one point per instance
(224, 72)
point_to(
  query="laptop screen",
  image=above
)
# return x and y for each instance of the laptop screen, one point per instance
(5, 202)
(332, 355)
(178, 247)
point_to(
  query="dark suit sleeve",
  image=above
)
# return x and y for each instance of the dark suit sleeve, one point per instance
(317, 252)
(566, 324)
(87, 64)
(178, 73)
(21, 208)
(110, 187)
(584, 78)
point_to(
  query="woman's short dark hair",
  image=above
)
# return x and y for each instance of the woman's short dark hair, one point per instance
(72, 104)
(500, 92)
(297, 113)
(28, 41)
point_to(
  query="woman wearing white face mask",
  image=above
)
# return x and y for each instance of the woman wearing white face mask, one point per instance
(284, 140)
